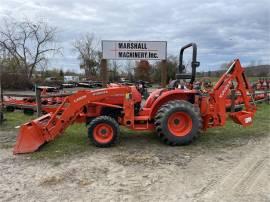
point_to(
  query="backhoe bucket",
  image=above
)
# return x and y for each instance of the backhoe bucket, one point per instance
(30, 136)
(244, 118)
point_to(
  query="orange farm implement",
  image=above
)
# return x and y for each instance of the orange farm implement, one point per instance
(28, 104)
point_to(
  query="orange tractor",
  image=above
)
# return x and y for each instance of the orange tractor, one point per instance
(177, 113)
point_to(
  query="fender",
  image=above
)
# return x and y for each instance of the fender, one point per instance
(161, 96)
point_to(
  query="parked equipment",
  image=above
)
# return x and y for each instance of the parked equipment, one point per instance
(177, 113)
(262, 84)
(29, 105)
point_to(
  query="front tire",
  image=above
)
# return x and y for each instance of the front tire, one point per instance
(103, 131)
(178, 122)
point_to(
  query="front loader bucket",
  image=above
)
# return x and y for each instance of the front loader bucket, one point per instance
(29, 139)
(31, 135)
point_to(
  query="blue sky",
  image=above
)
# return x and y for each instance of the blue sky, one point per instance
(223, 29)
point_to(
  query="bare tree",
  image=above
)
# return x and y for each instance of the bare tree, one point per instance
(28, 43)
(114, 71)
(129, 67)
(88, 53)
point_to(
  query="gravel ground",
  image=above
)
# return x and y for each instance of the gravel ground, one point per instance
(140, 169)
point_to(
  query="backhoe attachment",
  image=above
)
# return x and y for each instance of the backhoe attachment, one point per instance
(234, 76)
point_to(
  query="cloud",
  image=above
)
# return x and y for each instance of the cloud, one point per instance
(223, 29)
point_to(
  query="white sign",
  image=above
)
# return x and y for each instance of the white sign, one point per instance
(134, 50)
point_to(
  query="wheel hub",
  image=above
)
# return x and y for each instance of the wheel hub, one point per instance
(176, 121)
(179, 123)
(103, 133)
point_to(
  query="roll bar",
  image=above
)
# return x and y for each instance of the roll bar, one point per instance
(194, 63)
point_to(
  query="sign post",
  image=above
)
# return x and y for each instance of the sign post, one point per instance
(104, 72)
(164, 71)
(38, 100)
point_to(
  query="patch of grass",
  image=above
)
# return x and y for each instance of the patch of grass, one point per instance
(234, 134)
(73, 141)
(14, 119)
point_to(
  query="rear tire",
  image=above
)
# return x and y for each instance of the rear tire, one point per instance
(103, 131)
(178, 122)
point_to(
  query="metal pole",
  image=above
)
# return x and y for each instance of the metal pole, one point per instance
(104, 72)
(38, 101)
(267, 98)
(164, 73)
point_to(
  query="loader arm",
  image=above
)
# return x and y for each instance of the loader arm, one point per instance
(46, 128)
(221, 90)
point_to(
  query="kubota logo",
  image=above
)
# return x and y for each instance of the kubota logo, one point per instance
(119, 94)
(100, 92)
(80, 98)
(225, 90)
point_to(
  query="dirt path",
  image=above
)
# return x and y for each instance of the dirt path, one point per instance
(248, 179)
(138, 170)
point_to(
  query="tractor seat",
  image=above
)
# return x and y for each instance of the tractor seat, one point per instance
(183, 76)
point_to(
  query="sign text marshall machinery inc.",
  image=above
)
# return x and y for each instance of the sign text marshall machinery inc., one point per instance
(151, 50)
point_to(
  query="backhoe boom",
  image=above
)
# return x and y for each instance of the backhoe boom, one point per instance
(216, 115)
